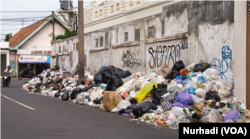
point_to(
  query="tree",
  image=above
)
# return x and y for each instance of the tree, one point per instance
(7, 37)
(67, 34)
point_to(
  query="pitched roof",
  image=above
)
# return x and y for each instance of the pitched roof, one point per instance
(23, 33)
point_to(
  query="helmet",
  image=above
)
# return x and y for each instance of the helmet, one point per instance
(9, 67)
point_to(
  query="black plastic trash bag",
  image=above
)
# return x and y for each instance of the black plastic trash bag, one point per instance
(143, 108)
(201, 67)
(195, 118)
(173, 74)
(40, 77)
(121, 73)
(65, 96)
(58, 81)
(126, 111)
(87, 97)
(178, 65)
(114, 83)
(106, 76)
(83, 80)
(133, 101)
(212, 95)
(157, 93)
(56, 87)
(56, 67)
(98, 101)
(57, 94)
(218, 106)
(75, 92)
(38, 85)
(48, 74)
(98, 76)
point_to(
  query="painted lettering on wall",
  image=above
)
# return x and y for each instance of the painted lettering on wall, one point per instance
(41, 52)
(164, 54)
(130, 59)
(225, 63)
(184, 44)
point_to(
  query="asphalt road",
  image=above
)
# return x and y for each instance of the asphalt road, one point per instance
(52, 118)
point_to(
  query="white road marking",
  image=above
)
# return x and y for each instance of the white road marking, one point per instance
(18, 102)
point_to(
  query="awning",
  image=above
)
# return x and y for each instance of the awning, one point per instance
(34, 59)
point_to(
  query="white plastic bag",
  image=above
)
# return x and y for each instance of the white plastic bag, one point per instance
(123, 104)
(200, 92)
(96, 93)
(197, 99)
(52, 93)
(211, 116)
(80, 98)
(127, 87)
(177, 111)
(211, 72)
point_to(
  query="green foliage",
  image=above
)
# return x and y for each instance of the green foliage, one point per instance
(7, 37)
(66, 35)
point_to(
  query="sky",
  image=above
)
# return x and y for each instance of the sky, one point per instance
(30, 11)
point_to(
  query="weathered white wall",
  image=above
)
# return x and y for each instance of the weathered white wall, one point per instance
(98, 59)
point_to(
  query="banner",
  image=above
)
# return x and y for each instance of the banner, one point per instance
(33, 59)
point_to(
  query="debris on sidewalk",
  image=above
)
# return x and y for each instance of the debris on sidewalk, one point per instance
(192, 94)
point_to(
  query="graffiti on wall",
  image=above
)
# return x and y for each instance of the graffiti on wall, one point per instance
(166, 54)
(130, 59)
(225, 63)
(13, 68)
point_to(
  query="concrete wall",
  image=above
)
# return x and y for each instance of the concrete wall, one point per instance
(13, 63)
(192, 31)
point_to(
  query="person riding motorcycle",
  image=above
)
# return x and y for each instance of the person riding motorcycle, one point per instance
(8, 70)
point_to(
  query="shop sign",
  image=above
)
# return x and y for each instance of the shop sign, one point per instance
(41, 52)
(34, 59)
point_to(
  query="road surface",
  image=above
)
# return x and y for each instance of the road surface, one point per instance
(31, 116)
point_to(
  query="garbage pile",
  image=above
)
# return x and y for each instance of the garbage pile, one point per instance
(182, 94)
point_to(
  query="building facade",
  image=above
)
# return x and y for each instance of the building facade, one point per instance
(31, 46)
(144, 35)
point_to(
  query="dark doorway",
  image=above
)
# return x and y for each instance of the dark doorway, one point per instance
(3, 63)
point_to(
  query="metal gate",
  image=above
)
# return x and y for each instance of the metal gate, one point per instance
(3, 63)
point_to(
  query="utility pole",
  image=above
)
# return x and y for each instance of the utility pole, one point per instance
(53, 23)
(80, 66)
(76, 25)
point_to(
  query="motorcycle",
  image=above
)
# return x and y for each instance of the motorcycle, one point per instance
(25, 74)
(6, 81)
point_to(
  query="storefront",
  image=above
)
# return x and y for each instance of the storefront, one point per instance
(36, 61)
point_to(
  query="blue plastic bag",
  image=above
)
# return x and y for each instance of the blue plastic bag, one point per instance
(178, 77)
(191, 90)
(183, 83)
(183, 99)
(232, 115)
(201, 79)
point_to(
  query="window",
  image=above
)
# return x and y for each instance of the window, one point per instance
(101, 41)
(126, 36)
(96, 42)
(77, 46)
(100, 13)
(151, 31)
(64, 49)
(59, 49)
(117, 7)
(138, 2)
(137, 35)
(96, 14)
(112, 8)
(131, 3)
(74, 47)
(106, 38)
